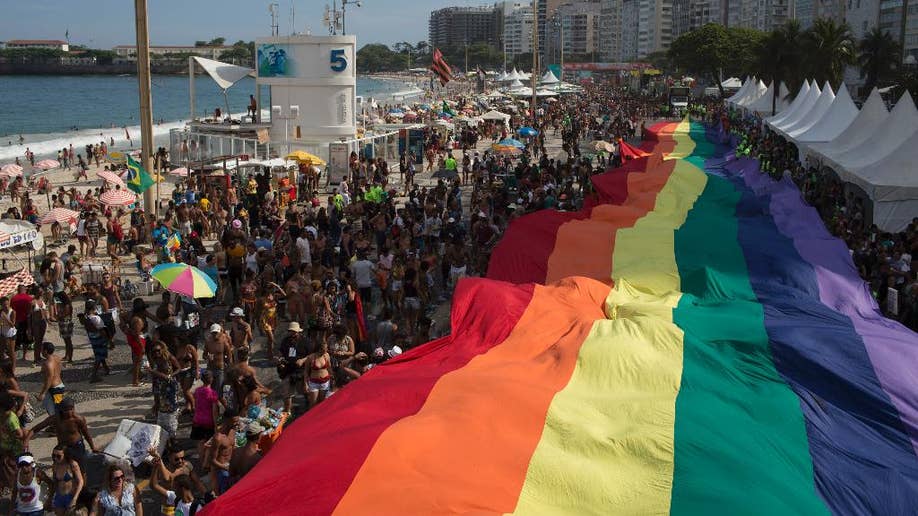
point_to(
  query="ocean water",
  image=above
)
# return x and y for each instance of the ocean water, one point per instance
(52, 112)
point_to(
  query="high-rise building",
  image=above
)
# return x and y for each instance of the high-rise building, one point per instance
(610, 30)
(518, 24)
(655, 26)
(546, 13)
(629, 38)
(862, 16)
(764, 15)
(452, 27)
(580, 28)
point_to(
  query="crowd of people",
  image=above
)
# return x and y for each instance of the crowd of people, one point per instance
(315, 288)
(884, 260)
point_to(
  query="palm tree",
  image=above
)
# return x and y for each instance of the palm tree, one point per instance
(780, 58)
(878, 56)
(829, 49)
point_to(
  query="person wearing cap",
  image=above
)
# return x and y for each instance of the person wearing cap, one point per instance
(71, 430)
(218, 352)
(26, 494)
(294, 347)
(240, 331)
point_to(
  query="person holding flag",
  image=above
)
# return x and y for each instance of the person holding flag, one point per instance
(441, 68)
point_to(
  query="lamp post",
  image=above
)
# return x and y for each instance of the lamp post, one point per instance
(344, 4)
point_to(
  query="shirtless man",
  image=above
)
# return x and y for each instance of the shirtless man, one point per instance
(296, 298)
(245, 458)
(240, 330)
(53, 387)
(71, 430)
(456, 257)
(220, 451)
(218, 351)
(239, 372)
(187, 356)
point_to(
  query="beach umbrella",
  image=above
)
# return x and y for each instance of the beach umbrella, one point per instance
(111, 177)
(181, 172)
(511, 142)
(184, 279)
(505, 149)
(61, 216)
(118, 198)
(117, 157)
(47, 164)
(599, 145)
(11, 170)
(527, 131)
(305, 157)
(551, 100)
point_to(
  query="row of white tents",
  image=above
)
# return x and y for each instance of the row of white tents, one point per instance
(872, 148)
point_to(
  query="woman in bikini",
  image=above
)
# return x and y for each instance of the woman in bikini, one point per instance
(318, 374)
(67, 481)
(267, 318)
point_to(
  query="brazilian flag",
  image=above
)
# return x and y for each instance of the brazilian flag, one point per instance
(137, 180)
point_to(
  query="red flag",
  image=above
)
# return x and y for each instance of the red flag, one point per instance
(440, 67)
(629, 152)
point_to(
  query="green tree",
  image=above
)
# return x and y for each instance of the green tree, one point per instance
(376, 57)
(878, 57)
(216, 42)
(705, 51)
(829, 48)
(780, 58)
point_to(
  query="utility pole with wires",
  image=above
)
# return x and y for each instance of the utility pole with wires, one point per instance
(146, 100)
(535, 60)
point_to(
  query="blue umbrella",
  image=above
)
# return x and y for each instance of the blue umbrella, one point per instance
(512, 143)
(528, 131)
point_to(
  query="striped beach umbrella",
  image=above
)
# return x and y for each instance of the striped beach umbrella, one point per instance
(47, 164)
(118, 198)
(180, 172)
(184, 279)
(61, 216)
(110, 177)
(11, 170)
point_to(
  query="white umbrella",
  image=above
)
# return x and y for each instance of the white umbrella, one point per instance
(47, 164)
(11, 170)
(118, 198)
(181, 172)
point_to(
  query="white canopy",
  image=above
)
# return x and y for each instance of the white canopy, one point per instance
(544, 92)
(800, 113)
(495, 115)
(549, 78)
(868, 121)
(753, 95)
(14, 232)
(224, 74)
(514, 76)
(901, 124)
(742, 91)
(525, 91)
(502, 77)
(763, 103)
(732, 82)
(799, 99)
(820, 108)
(516, 84)
(839, 116)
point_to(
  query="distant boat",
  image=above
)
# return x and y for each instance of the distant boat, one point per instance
(124, 75)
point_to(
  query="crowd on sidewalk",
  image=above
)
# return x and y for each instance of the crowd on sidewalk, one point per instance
(314, 290)
(885, 260)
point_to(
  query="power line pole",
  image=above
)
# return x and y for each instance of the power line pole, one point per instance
(535, 60)
(146, 100)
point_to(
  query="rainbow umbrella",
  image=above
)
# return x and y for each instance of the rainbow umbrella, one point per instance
(184, 279)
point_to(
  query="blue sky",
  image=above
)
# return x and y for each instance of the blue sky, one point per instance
(106, 23)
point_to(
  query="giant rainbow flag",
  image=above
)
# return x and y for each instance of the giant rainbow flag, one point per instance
(694, 342)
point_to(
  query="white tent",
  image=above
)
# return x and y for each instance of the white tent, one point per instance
(495, 115)
(549, 78)
(783, 98)
(525, 91)
(502, 77)
(763, 103)
(545, 92)
(742, 91)
(892, 185)
(224, 74)
(732, 82)
(800, 113)
(753, 95)
(869, 120)
(516, 84)
(798, 100)
(514, 75)
(820, 108)
(839, 116)
(901, 123)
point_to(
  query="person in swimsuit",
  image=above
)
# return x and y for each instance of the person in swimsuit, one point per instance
(267, 320)
(249, 295)
(112, 297)
(135, 329)
(8, 331)
(318, 374)
(67, 481)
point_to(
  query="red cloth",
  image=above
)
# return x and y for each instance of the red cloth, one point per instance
(629, 152)
(280, 476)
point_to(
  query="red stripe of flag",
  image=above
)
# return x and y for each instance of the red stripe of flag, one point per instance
(440, 67)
